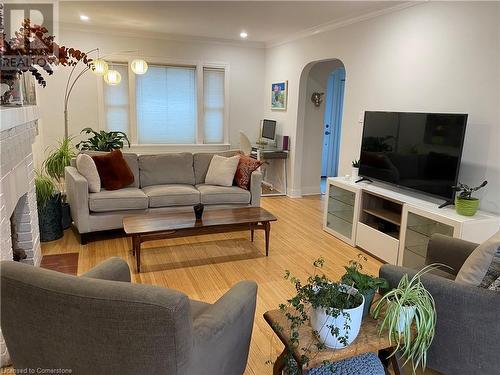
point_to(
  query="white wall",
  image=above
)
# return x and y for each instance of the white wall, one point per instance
(432, 57)
(246, 71)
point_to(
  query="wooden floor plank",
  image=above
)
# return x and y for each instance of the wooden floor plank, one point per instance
(205, 267)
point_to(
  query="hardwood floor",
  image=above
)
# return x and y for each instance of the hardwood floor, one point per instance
(205, 267)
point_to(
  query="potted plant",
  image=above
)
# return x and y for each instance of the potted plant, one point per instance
(465, 203)
(49, 208)
(367, 285)
(103, 140)
(409, 302)
(59, 158)
(355, 169)
(335, 310)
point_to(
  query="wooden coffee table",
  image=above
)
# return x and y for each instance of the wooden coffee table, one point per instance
(149, 227)
(368, 340)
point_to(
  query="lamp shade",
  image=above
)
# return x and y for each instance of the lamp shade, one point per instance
(99, 67)
(139, 66)
(112, 77)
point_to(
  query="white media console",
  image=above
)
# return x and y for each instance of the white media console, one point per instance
(393, 225)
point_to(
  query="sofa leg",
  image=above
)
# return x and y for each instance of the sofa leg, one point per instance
(84, 238)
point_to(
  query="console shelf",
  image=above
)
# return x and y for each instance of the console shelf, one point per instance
(394, 226)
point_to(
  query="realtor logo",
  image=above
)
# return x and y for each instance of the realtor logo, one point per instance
(39, 13)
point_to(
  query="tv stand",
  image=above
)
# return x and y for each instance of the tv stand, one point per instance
(393, 225)
(447, 203)
(363, 179)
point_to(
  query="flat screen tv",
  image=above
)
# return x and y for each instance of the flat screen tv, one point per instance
(418, 151)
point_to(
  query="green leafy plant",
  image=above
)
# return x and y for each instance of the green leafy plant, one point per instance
(466, 191)
(412, 340)
(103, 140)
(362, 281)
(318, 292)
(58, 159)
(45, 189)
(355, 163)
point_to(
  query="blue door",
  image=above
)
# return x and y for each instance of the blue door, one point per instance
(334, 104)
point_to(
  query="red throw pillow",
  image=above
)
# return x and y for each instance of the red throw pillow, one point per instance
(244, 171)
(113, 170)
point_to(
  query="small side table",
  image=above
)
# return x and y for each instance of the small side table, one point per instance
(367, 341)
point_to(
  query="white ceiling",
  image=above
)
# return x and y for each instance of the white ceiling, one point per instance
(264, 21)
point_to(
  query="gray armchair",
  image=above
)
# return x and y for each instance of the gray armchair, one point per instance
(467, 328)
(102, 324)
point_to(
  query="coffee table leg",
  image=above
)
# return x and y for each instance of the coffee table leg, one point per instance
(267, 228)
(137, 252)
(251, 231)
(279, 364)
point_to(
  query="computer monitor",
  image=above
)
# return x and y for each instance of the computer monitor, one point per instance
(268, 130)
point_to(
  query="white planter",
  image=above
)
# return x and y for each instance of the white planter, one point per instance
(355, 173)
(321, 322)
(406, 315)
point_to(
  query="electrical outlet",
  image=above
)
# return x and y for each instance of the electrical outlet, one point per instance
(361, 117)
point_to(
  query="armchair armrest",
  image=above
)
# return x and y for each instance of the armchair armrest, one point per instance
(256, 187)
(222, 332)
(467, 328)
(77, 190)
(113, 269)
(450, 251)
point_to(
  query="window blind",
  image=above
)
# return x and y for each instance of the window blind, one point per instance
(213, 99)
(166, 105)
(116, 102)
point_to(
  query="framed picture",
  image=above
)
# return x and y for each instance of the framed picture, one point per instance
(279, 95)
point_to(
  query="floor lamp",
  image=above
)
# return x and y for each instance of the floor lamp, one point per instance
(100, 68)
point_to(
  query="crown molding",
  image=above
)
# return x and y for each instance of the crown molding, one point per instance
(328, 26)
(158, 36)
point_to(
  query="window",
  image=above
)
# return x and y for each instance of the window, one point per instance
(116, 102)
(213, 99)
(166, 105)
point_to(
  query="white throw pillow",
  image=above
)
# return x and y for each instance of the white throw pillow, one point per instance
(222, 170)
(87, 168)
(476, 265)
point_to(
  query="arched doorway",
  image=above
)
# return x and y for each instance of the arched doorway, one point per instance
(319, 126)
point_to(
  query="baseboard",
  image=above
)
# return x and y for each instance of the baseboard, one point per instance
(294, 193)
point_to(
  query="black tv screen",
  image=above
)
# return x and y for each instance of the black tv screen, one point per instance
(419, 151)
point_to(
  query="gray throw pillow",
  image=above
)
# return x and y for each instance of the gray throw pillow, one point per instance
(475, 267)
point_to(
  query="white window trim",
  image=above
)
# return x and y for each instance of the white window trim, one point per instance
(132, 131)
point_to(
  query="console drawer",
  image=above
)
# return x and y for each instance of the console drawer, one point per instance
(377, 243)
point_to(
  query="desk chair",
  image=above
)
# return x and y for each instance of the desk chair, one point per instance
(245, 144)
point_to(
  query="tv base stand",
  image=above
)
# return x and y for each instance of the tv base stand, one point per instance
(447, 203)
(363, 179)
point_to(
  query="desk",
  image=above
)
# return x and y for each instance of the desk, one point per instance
(266, 153)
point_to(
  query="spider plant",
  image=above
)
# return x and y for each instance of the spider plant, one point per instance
(58, 159)
(45, 189)
(409, 302)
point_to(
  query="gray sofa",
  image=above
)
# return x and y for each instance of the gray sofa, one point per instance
(102, 324)
(468, 327)
(162, 183)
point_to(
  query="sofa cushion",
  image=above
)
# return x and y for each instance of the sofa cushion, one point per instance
(211, 194)
(222, 170)
(201, 162)
(115, 200)
(113, 170)
(172, 168)
(131, 160)
(172, 195)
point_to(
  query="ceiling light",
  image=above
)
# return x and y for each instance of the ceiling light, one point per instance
(112, 77)
(243, 35)
(99, 67)
(83, 17)
(139, 66)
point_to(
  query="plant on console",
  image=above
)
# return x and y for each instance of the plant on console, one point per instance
(465, 203)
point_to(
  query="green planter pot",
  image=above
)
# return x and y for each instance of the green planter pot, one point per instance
(466, 207)
(368, 294)
(49, 219)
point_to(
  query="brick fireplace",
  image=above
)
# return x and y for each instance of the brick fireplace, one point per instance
(19, 237)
